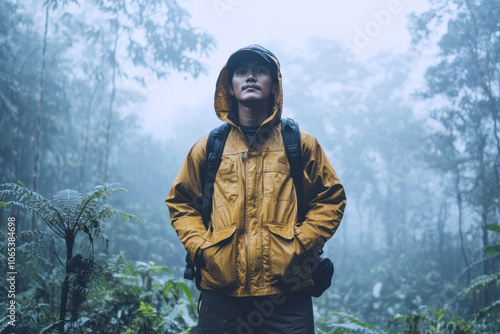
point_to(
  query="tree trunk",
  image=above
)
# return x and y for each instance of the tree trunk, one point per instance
(486, 262)
(70, 240)
(107, 147)
(460, 221)
(86, 139)
(389, 223)
(443, 215)
(38, 127)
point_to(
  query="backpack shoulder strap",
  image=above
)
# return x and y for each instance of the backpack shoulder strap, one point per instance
(291, 138)
(215, 146)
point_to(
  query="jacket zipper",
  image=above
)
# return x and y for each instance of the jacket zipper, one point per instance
(244, 160)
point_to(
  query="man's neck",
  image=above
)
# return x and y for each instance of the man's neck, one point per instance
(253, 115)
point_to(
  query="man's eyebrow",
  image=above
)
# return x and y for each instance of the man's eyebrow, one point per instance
(247, 65)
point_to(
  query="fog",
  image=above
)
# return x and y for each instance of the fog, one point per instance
(102, 96)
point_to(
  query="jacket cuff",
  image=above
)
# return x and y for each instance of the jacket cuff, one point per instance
(195, 249)
(306, 242)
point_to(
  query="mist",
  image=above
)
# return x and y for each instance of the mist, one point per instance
(101, 101)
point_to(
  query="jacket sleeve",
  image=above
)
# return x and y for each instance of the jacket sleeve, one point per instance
(185, 199)
(324, 196)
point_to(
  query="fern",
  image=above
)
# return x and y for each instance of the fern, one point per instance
(493, 227)
(67, 214)
(492, 252)
(490, 309)
(350, 323)
(482, 282)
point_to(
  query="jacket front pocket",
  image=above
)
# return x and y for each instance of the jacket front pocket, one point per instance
(277, 182)
(220, 259)
(226, 182)
(285, 254)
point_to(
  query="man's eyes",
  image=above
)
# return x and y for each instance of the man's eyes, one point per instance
(244, 71)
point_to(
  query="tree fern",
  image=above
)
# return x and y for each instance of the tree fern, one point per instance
(67, 214)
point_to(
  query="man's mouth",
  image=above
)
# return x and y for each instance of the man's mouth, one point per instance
(251, 86)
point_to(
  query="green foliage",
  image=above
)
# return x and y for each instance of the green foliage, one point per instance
(482, 282)
(147, 321)
(404, 256)
(492, 251)
(340, 323)
(67, 214)
(121, 297)
(487, 281)
(433, 322)
(140, 298)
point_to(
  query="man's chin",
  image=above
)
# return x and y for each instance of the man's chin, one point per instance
(251, 97)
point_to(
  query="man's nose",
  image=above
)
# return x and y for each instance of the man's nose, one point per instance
(250, 76)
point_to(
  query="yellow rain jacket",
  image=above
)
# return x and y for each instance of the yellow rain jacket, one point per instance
(254, 236)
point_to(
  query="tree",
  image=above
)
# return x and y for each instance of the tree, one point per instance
(155, 37)
(464, 85)
(69, 214)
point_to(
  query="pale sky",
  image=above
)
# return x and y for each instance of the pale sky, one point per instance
(369, 26)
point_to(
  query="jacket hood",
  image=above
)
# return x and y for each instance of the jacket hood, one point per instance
(223, 101)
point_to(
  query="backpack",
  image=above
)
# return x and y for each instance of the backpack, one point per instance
(322, 269)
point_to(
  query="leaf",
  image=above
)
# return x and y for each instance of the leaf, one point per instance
(165, 269)
(492, 251)
(168, 287)
(4, 324)
(490, 309)
(128, 268)
(441, 314)
(186, 290)
(3, 204)
(51, 327)
(493, 227)
(482, 282)
(346, 321)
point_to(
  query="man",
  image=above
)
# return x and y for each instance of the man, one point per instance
(254, 276)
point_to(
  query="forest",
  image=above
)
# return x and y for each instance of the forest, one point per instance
(86, 245)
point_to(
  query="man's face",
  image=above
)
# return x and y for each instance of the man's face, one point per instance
(252, 81)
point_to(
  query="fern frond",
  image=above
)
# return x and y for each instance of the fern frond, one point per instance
(482, 282)
(67, 201)
(346, 321)
(48, 219)
(24, 194)
(20, 189)
(43, 207)
(493, 227)
(107, 211)
(100, 192)
(492, 252)
(32, 234)
(490, 309)
(105, 190)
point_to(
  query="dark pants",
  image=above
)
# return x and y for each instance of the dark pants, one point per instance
(289, 313)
